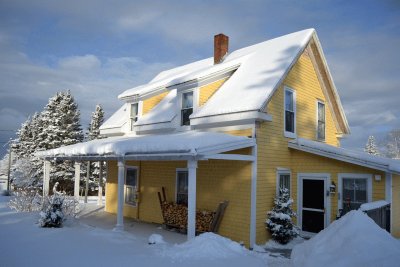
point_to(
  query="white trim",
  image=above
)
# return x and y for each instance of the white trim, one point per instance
(283, 171)
(191, 223)
(317, 120)
(353, 176)
(176, 180)
(125, 186)
(242, 117)
(388, 187)
(286, 133)
(120, 203)
(231, 157)
(326, 177)
(253, 199)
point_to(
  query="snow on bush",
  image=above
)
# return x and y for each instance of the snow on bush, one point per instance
(25, 200)
(52, 214)
(279, 221)
(206, 246)
(156, 239)
(353, 240)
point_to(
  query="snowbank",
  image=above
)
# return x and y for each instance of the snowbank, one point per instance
(207, 246)
(353, 240)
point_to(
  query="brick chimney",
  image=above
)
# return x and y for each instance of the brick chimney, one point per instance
(221, 42)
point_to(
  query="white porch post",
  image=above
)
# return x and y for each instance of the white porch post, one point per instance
(100, 196)
(388, 196)
(192, 167)
(253, 198)
(77, 178)
(46, 177)
(120, 211)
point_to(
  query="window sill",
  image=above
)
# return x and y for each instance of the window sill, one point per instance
(290, 135)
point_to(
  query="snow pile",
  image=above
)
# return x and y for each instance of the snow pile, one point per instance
(373, 205)
(156, 239)
(206, 246)
(353, 240)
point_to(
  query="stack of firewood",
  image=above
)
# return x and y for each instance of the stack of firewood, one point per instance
(176, 215)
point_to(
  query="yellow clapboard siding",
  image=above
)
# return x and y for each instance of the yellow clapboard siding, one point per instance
(273, 148)
(208, 90)
(151, 102)
(243, 132)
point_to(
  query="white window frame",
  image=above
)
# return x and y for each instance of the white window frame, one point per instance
(126, 186)
(139, 114)
(179, 106)
(176, 181)
(353, 176)
(279, 172)
(317, 121)
(286, 133)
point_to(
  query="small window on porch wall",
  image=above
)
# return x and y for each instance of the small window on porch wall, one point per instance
(131, 183)
(182, 187)
(187, 107)
(320, 121)
(290, 112)
(134, 114)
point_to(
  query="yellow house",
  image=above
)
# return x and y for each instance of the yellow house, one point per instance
(237, 127)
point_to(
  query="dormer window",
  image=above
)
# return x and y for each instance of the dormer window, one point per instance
(290, 113)
(187, 107)
(134, 114)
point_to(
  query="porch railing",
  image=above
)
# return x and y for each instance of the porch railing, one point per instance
(379, 211)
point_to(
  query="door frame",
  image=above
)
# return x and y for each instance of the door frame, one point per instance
(326, 177)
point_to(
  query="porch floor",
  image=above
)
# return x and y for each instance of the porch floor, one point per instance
(94, 215)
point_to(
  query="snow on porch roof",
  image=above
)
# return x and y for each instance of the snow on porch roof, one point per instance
(190, 144)
(346, 155)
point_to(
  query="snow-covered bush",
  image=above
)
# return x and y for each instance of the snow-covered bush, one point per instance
(57, 208)
(26, 200)
(279, 221)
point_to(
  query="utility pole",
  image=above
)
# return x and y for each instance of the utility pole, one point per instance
(9, 168)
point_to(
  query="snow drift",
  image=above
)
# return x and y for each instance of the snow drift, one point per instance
(207, 246)
(353, 240)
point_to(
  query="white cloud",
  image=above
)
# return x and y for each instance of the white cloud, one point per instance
(80, 63)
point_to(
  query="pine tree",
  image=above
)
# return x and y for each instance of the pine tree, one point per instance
(392, 144)
(94, 133)
(371, 147)
(279, 221)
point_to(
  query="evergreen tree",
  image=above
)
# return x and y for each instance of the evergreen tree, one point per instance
(371, 147)
(279, 221)
(392, 144)
(94, 133)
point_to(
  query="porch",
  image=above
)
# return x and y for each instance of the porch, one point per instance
(150, 154)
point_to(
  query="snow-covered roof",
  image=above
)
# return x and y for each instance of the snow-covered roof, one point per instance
(118, 119)
(190, 143)
(346, 155)
(260, 69)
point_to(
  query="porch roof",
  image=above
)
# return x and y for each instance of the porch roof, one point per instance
(351, 156)
(173, 146)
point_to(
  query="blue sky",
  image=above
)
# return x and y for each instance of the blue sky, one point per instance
(97, 49)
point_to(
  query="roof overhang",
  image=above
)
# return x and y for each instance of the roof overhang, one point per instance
(175, 146)
(346, 155)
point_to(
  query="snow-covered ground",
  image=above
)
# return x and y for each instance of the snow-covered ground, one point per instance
(90, 241)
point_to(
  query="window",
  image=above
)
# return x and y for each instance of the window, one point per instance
(290, 112)
(321, 121)
(182, 187)
(134, 114)
(283, 181)
(354, 189)
(187, 107)
(131, 186)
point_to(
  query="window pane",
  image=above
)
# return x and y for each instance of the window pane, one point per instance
(185, 114)
(354, 193)
(131, 177)
(130, 195)
(187, 100)
(321, 130)
(289, 121)
(284, 181)
(289, 100)
(182, 188)
(134, 110)
(321, 112)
